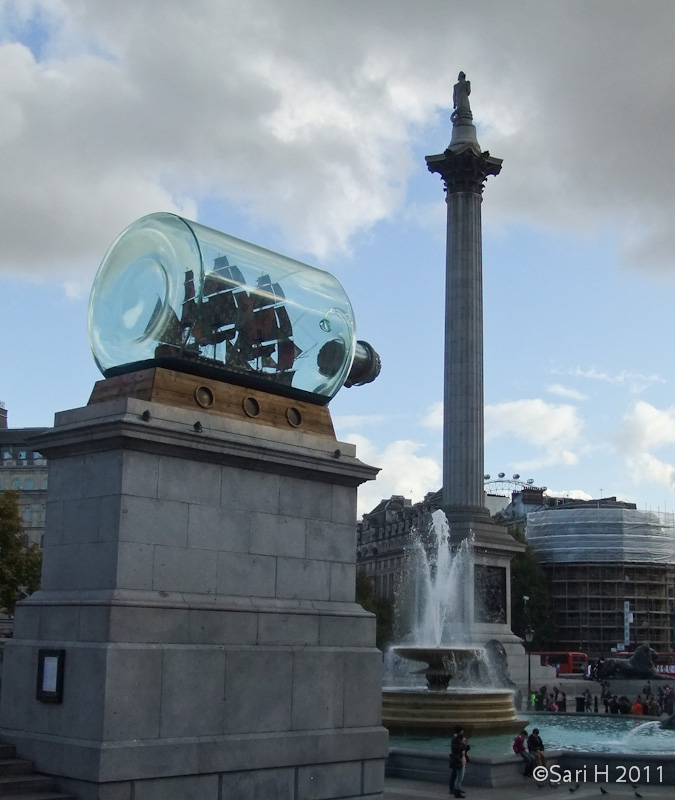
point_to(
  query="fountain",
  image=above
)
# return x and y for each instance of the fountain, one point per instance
(431, 602)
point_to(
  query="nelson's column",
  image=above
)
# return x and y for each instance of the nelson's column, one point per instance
(464, 168)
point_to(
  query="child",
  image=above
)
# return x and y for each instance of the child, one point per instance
(520, 749)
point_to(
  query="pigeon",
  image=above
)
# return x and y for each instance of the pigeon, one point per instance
(637, 794)
(575, 788)
(604, 791)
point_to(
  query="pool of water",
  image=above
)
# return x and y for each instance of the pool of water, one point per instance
(599, 734)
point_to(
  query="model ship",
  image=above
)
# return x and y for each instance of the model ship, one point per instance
(229, 325)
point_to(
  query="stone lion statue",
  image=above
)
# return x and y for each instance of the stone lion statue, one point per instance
(668, 723)
(639, 665)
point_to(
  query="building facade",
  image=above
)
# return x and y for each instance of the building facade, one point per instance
(381, 540)
(383, 536)
(23, 469)
(611, 574)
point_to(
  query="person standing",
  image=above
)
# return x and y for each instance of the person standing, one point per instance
(458, 760)
(587, 699)
(606, 696)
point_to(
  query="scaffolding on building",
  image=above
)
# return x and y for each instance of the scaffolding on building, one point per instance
(612, 575)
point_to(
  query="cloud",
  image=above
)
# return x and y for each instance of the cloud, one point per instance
(402, 471)
(308, 116)
(345, 421)
(434, 416)
(574, 494)
(563, 391)
(265, 108)
(646, 428)
(636, 382)
(552, 429)
(646, 468)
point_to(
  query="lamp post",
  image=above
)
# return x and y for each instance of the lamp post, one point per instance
(529, 636)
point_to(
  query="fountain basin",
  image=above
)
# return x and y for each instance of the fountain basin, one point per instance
(481, 712)
(609, 742)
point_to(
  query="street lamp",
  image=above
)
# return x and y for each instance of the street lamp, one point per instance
(529, 636)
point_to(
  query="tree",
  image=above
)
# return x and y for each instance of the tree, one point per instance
(380, 606)
(528, 579)
(19, 565)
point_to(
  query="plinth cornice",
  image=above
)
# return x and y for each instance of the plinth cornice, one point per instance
(121, 424)
(464, 168)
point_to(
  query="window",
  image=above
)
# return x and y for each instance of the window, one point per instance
(16, 483)
(28, 484)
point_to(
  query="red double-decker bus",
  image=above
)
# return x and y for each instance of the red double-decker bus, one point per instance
(565, 663)
(665, 663)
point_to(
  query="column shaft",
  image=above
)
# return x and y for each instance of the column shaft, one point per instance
(463, 392)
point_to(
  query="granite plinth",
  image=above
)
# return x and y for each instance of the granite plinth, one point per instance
(201, 583)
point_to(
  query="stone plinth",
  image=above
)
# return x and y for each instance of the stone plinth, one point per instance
(201, 582)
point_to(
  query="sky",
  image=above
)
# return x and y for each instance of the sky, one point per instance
(302, 126)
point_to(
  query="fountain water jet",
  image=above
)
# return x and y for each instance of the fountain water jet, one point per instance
(433, 599)
(439, 578)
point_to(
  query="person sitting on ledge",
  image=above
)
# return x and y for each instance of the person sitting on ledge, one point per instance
(536, 747)
(637, 707)
(520, 749)
(625, 705)
(653, 708)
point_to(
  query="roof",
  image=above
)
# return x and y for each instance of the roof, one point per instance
(19, 435)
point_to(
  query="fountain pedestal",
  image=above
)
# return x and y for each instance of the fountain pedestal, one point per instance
(480, 712)
(442, 662)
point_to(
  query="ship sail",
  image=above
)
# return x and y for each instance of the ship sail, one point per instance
(231, 325)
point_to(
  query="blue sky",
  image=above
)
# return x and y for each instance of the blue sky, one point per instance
(303, 126)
